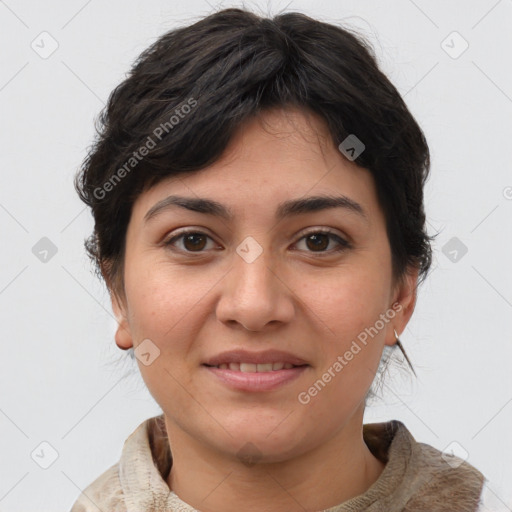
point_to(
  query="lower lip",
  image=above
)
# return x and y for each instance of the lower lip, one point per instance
(253, 381)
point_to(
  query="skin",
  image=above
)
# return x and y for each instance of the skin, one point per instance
(294, 297)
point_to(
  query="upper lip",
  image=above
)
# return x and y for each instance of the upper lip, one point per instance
(245, 356)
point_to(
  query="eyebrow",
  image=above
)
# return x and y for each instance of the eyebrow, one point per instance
(286, 209)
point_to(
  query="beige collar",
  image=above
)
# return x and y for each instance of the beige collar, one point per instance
(416, 476)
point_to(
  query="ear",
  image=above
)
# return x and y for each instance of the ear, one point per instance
(403, 303)
(123, 335)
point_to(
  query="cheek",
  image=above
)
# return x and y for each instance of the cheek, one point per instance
(347, 302)
(350, 309)
(162, 303)
(164, 308)
(350, 358)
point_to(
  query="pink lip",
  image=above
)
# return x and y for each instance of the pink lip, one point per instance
(256, 381)
(245, 356)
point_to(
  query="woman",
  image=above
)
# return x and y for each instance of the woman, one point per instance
(257, 190)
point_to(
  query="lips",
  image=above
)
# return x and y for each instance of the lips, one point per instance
(250, 362)
(255, 372)
(254, 382)
(255, 368)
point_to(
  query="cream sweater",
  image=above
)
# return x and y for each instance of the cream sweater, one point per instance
(416, 477)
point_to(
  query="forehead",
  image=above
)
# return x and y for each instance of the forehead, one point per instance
(279, 155)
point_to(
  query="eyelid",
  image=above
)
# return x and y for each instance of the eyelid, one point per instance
(311, 231)
(342, 241)
(168, 241)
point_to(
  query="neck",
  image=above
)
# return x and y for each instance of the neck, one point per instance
(340, 469)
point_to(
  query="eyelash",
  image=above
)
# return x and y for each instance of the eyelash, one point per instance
(343, 244)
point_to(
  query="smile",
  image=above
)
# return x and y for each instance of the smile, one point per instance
(254, 368)
(252, 377)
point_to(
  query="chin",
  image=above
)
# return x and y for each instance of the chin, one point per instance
(267, 441)
(262, 450)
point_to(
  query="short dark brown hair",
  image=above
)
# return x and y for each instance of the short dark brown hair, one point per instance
(190, 91)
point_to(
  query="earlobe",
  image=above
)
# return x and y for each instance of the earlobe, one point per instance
(404, 296)
(123, 335)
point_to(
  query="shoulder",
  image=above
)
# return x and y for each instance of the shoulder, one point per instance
(441, 478)
(104, 493)
(419, 476)
(118, 484)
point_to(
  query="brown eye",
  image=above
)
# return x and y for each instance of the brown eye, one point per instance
(191, 241)
(194, 241)
(317, 241)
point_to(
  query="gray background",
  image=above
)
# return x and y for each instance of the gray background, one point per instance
(59, 379)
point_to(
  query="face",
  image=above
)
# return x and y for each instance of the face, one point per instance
(222, 298)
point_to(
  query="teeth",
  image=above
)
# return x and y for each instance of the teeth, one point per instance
(255, 368)
(248, 367)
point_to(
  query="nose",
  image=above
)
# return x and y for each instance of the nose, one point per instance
(255, 296)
